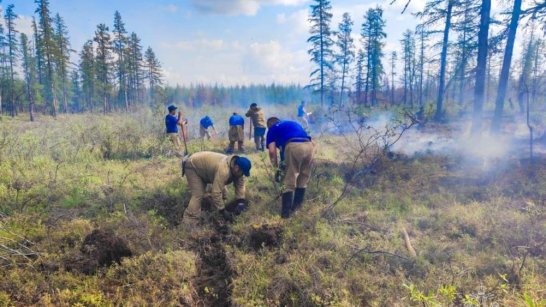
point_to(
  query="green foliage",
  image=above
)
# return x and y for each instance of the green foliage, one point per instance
(60, 180)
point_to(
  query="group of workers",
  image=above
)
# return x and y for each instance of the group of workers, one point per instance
(293, 163)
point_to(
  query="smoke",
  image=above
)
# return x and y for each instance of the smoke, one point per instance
(487, 151)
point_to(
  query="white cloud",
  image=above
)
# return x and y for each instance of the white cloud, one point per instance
(270, 61)
(298, 21)
(24, 25)
(237, 63)
(239, 7)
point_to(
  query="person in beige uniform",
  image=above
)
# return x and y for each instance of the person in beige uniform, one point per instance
(219, 170)
(258, 120)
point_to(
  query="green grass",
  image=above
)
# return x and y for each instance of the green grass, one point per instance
(60, 179)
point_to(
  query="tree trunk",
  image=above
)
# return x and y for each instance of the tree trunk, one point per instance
(392, 82)
(536, 60)
(105, 105)
(31, 109)
(505, 71)
(421, 67)
(125, 95)
(443, 60)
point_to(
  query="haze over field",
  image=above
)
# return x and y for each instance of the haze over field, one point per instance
(405, 162)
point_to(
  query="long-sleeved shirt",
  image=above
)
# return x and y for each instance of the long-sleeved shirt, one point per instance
(214, 168)
(257, 116)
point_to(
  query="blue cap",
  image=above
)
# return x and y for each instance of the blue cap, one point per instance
(245, 165)
(172, 107)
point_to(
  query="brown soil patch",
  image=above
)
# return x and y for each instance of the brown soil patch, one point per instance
(99, 248)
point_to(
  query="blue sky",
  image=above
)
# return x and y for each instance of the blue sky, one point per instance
(219, 41)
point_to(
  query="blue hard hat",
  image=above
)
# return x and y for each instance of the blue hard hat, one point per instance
(172, 107)
(245, 165)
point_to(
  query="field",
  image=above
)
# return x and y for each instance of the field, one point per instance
(91, 205)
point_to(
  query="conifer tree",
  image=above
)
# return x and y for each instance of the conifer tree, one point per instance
(103, 62)
(32, 87)
(88, 75)
(49, 48)
(346, 54)
(62, 59)
(373, 36)
(120, 43)
(153, 73)
(321, 43)
(11, 42)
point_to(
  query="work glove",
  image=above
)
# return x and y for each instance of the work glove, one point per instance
(278, 176)
(228, 216)
(241, 206)
(280, 172)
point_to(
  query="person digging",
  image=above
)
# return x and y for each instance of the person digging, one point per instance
(236, 133)
(296, 155)
(171, 124)
(205, 127)
(258, 120)
(219, 170)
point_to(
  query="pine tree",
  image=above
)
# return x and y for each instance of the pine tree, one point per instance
(394, 58)
(3, 65)
(433, 14)
(481, 68)
(49, 48)
(408, 56)
(373, 36)
(321, 43)
(466, 42)
(88, 75)
(11, 41)
(76, 90)
(103, 65)
(135, 69)
(62, 58)
(153, 73)
(32, 87)
(346, 54)
(38, 51)
(525, 73)
(506, 63)
(537, 64)
(120, 49)
(359, 82)
(423, 37)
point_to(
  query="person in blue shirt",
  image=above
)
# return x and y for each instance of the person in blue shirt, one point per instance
(171, 123)
(204, 124)
(303, 115)
(296, 155)
(236, 133)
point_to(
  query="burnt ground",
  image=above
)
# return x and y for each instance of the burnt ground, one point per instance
(214, 271)
(100, 248)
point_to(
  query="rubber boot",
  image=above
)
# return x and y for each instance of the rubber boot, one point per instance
(230, 148)
(287, 199)
(299, 195)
